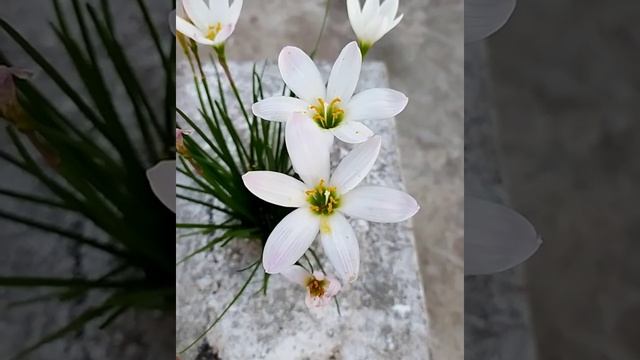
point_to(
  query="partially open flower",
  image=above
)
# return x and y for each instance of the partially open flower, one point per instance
(372, 21)
(321, 288)
(323, 200)
(209, 24)
(333, 110)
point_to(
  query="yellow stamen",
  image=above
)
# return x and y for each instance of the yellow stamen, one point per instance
(213, 30)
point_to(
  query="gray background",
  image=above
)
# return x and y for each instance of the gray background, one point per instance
(567, 85)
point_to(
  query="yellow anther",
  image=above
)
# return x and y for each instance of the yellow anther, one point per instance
(213, 30)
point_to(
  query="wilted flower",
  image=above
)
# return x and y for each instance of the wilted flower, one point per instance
(180, 148)
(321, 288)
(372, 21)
(9, 107)
(322, 201)
(333, 110)
(209, 24)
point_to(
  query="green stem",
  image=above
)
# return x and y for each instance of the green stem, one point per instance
(222, 59)
(322, 28)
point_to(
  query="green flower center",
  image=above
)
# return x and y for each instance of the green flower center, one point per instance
(212, 31)
(317, 287)
(327, 116)
(324, 199)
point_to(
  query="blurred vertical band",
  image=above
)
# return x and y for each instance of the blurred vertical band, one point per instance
(87, 252)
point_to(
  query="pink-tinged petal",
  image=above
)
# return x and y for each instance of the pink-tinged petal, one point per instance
(278, 108)
(162, 178)
(352, 132)
(289, 240)
(496, 238)
(375, 104)
(379, 204)
(341, 247)
(234, 11)
(276, 188)
(188, 30)
(334, 287)
(307, 148)
(345, 73)
(199, 13)
(300, 74)
(296, 274)
(356, 165)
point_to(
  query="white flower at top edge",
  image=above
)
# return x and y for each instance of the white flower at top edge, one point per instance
(320, 288)
(333, 110)
(373, 20)
(209, 24)
(322, 201)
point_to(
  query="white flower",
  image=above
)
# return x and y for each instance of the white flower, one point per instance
(322, 201)
(320, 288)
(333, 110)
(162, 179)
(373, 20)
(210, 24)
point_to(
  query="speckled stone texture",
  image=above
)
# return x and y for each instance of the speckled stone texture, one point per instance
(383, 312)
(496, 325)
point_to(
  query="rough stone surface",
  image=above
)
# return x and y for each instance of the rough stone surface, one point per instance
(383, 312)
(497, 322)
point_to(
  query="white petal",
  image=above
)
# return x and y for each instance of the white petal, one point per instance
(345, 73)
(234, 11)
(355, 15)
(341, 247)
(375, 104)
(187, 29)
(484, 17)
(296, 274)
(388, 9)
(276, 188)
(370, 9)
(496, 238)
(172, 22)
(300, 74)
(162, 178)
(356, 165)
(352, 132)
(278, 108)
(379, 204)
(289, 240)
(307, 148)
(198, 13)
(224, 33)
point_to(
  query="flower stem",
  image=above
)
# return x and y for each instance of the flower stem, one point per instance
(222, 59)
(322, 28)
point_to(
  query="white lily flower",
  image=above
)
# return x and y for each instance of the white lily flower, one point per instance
(333, 110)
(373, 20)
(321, 288)
(323, 201)
(209, 24)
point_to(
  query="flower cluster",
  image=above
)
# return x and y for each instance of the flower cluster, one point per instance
(313, 115)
